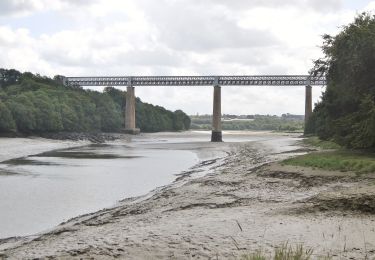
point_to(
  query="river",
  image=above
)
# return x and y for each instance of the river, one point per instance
(40, 191)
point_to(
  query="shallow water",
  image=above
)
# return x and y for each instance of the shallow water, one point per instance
(38, 192)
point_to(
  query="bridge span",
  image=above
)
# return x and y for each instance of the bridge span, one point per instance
(216, 81)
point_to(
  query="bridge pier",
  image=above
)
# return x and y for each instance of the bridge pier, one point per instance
(216, 134)
(130, 112)
(308, 103)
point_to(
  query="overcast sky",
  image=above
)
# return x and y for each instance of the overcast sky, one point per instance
(177, 37)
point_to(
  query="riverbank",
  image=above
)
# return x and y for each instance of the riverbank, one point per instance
(247, 201)
(93, 137)
(12, 148)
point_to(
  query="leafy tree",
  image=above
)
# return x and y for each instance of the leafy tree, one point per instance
(9, 77)
(345, 113)
(180, 120)
(23, 112)
(6, 119)
(109, 113)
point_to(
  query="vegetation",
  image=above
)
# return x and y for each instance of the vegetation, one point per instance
(334, 158)
(260, 122)
(336, 161)
(316, 142)
(284, 252)
(35, 104)
(346, 113)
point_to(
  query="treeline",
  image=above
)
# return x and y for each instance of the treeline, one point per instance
(34, 104)
(259, 123)
(346, 113)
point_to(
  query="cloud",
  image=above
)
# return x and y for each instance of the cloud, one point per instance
(200, 28)
(9, 7)
(151, 58)
(317, 5)
(28, 7)
(175, 37)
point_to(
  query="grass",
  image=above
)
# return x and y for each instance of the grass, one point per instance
(284, 252)
(336, 159)
(316, 142)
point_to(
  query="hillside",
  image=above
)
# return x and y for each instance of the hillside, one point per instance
(33, 104)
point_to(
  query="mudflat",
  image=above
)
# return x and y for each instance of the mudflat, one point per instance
(246, 201)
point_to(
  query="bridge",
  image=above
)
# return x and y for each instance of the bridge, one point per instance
(216, 81)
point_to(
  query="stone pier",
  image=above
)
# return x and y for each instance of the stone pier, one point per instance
(308, 103)
(130, 112)
(216, 135)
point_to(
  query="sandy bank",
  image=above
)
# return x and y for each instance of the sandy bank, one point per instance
(247, 202)
(11, 148)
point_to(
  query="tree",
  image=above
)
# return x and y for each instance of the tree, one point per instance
(345, 112)
(23, 112)
(109, 113)
(180, 121)
(6, 119)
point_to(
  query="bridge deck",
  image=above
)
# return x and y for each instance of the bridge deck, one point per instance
(276, 80)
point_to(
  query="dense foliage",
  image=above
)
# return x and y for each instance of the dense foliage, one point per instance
(346, 112)
(35, 104)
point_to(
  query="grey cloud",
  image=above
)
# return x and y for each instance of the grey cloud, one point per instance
(324, 5)
(250, 57)
(79, 2)
(187, 27)
(136, 58)
(260, 59)
(317, 5)
(15, 7)
(63, 59)
(149, 58)
(9, 7)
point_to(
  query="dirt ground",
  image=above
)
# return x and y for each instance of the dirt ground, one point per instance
(248, 201)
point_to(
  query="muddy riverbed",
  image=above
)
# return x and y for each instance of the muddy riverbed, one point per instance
(243, 201)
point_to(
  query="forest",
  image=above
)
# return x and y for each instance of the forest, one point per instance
(32, 104)
(346, 113)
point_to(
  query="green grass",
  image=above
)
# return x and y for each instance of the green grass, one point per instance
(284, 252)
(341, 160)
(316, 142)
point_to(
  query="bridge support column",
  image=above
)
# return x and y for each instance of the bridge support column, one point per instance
(308, 103)
(130, 112)
(216, 135)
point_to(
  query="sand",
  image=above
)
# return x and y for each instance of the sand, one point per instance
(11, 148)
(247, 201)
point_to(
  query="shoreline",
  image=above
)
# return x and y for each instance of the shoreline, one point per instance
(13, 148)
(16, 148)
(247, 202)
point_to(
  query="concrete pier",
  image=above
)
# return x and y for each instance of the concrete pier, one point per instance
(308, 103)
(130, 112)
(216, 135)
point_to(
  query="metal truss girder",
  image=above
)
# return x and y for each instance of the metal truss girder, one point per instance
(263, 80)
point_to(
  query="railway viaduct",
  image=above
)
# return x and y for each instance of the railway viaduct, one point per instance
(216, 81)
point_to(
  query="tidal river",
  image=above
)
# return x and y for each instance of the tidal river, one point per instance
(40, 191)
